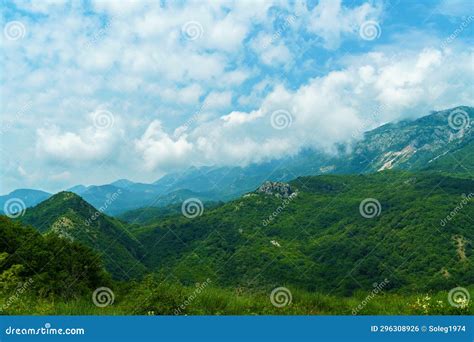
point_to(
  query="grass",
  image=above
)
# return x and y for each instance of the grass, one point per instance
(150, 298)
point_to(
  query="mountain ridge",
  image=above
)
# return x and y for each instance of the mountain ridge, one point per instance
(68, 216)
(407, 144)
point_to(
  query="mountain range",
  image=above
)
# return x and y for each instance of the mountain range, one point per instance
(311, 233)
(430, 142)
(395, 209)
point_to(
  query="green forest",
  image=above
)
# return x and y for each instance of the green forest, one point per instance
(314, 242)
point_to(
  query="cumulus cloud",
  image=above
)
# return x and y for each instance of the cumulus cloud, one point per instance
(43, 7)
(331, 20)
(95, 142)
(218, 100)
(271, 51)
(327, 110)
(210, 99)
(160, 151)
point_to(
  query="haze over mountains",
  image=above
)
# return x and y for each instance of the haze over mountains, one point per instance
(431, 142)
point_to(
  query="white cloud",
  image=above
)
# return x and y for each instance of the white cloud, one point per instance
(62, 176)
(43, 7)
(160, 151)
(238, 118)
(95, 142)
(330, 109)
(270, 51)
(218, 100)
(227, 34)
(186, 95)
(331, 20)
(120, 7)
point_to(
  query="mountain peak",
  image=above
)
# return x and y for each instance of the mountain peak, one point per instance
(77, 189)
(64, 196)
(60, 204)
(69, 216)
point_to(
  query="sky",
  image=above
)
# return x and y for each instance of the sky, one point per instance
(95, 91)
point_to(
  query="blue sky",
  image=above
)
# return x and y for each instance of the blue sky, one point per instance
(95, 91)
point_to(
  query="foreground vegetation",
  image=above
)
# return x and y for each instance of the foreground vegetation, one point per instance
(152, 297)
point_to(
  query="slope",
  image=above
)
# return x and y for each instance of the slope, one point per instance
(72, 218)
(319, 240)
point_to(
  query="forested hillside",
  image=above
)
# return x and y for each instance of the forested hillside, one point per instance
(70, 217)
(318, 239)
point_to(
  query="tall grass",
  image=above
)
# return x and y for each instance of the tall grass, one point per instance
(154, 298)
